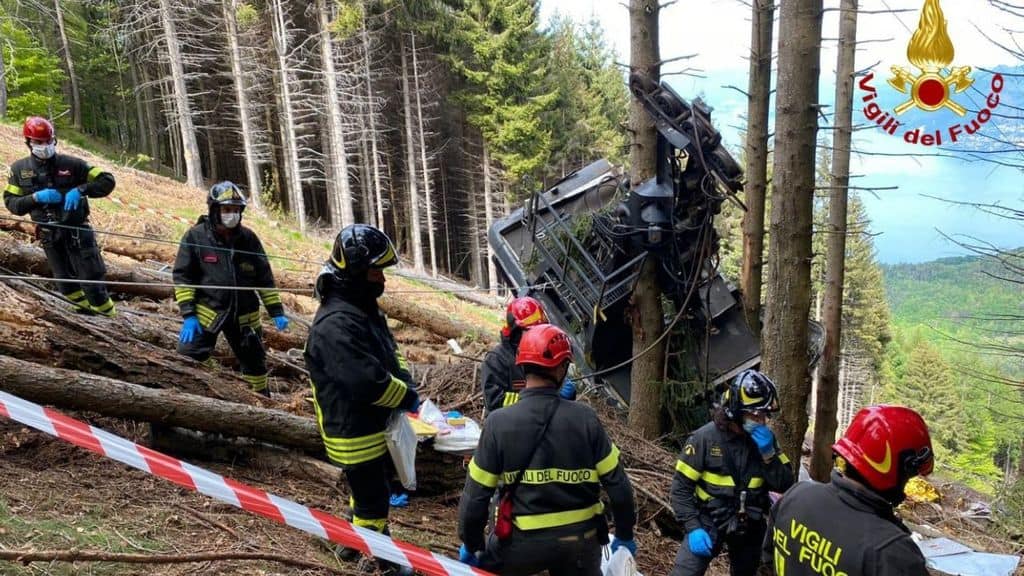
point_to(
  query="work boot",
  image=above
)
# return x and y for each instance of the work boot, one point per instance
(106, 309)
(391, 569)
(342, 553)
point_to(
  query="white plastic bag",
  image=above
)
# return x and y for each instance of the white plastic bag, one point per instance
(401, 441)
(621, 563)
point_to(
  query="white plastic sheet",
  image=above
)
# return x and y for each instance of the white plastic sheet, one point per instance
(401, 440)
(621, 563)
(457, 439)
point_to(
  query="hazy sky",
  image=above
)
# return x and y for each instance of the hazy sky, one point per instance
(717, 33)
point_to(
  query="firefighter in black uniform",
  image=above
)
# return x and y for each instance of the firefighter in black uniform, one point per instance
(502, 379)
(723, 476)
(359, 377)
(219, 251)
(552, 457)
(55, 188)
(849, 526)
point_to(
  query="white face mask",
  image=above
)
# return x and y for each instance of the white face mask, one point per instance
(750, 425)
(44, 151)
(231, 219)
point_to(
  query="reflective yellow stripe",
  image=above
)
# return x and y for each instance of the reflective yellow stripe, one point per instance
(717, 479)
(347, 451)
(610, 462)
(553, 475)
(553, 519)
(94, 173)
(687, 470)
(210, 363)
(510, 399)
(182, 295)
(206, 315)
(481, 476)
(756, 482)
(270, 297)
(76, 296)
(402, 362)
(702, 494)
(106, 309)
(257, 383)
(16, 190)
(251, 320)
(376, 524)
(783, 458)
(393, 395)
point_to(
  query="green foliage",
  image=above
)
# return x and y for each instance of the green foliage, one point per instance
(247, 16)
(34, 75)
(348, 20)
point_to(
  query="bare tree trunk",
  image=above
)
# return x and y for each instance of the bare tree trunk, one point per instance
(339, 186)
(789, 253)
(152, 122)
(293, 174)
(378, 193)
(193, 164)
(369, 213)
(142, 143)
(475, 249)
(825, 423)
(416, 238)
(492, 273)
(647, 323)
(428, 201)
(252, 169)
(69, 65)
(759, 90)
(3, 86)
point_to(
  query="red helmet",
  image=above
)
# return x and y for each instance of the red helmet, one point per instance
(523, 313)
(887, 445)
(38, 128)
(544, 345)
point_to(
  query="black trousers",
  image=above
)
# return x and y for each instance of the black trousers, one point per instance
(73, 254)
(371, 492)
(744, 551)
(246, 343)
(565, 551)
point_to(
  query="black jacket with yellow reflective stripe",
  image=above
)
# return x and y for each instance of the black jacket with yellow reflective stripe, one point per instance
(562, 483)
(206, 258)
(502, 378)
(358, 377)
(839, 528)
(715, 466)
(62, 173)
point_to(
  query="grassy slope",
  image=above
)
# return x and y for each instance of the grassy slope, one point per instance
(279, 235)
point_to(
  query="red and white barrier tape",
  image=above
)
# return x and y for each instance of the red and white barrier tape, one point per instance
(226, 490)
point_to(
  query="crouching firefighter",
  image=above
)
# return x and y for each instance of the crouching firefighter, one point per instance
(502, 379)
(552, 457)
(358, 376)
(55, 190)
(852, 518)
(216, 257)
(723, 476)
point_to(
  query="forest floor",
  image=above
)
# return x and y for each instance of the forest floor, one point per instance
(57, 497)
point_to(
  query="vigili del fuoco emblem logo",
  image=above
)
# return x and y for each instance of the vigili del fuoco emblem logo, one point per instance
(937, 85)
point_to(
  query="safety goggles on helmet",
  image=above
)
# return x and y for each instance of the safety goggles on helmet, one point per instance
(751, 392)
(361, 247)
(523, 312)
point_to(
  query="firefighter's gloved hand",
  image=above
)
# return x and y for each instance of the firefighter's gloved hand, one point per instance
(467, 557)
(764, 439)
(399, 500)
(411, 402)
(71, 199)
(47, 196)
(700, 542)
(568, 390)
(190, 328)
(627, 544)
(281, 323)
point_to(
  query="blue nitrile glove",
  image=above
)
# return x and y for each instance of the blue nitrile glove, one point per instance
(281, 323)
(467, 557)
(764, 439)
(190, 328)
(699, 542)
(627, 544)
(399, 500)
(47, 196)
(568, 390)
(71, 199)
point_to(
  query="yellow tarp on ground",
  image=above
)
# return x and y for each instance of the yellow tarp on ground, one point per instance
(420, 427)
(919, 490)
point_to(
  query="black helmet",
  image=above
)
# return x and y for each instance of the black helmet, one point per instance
(360, 247)
(225, 193)
(750, 391)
